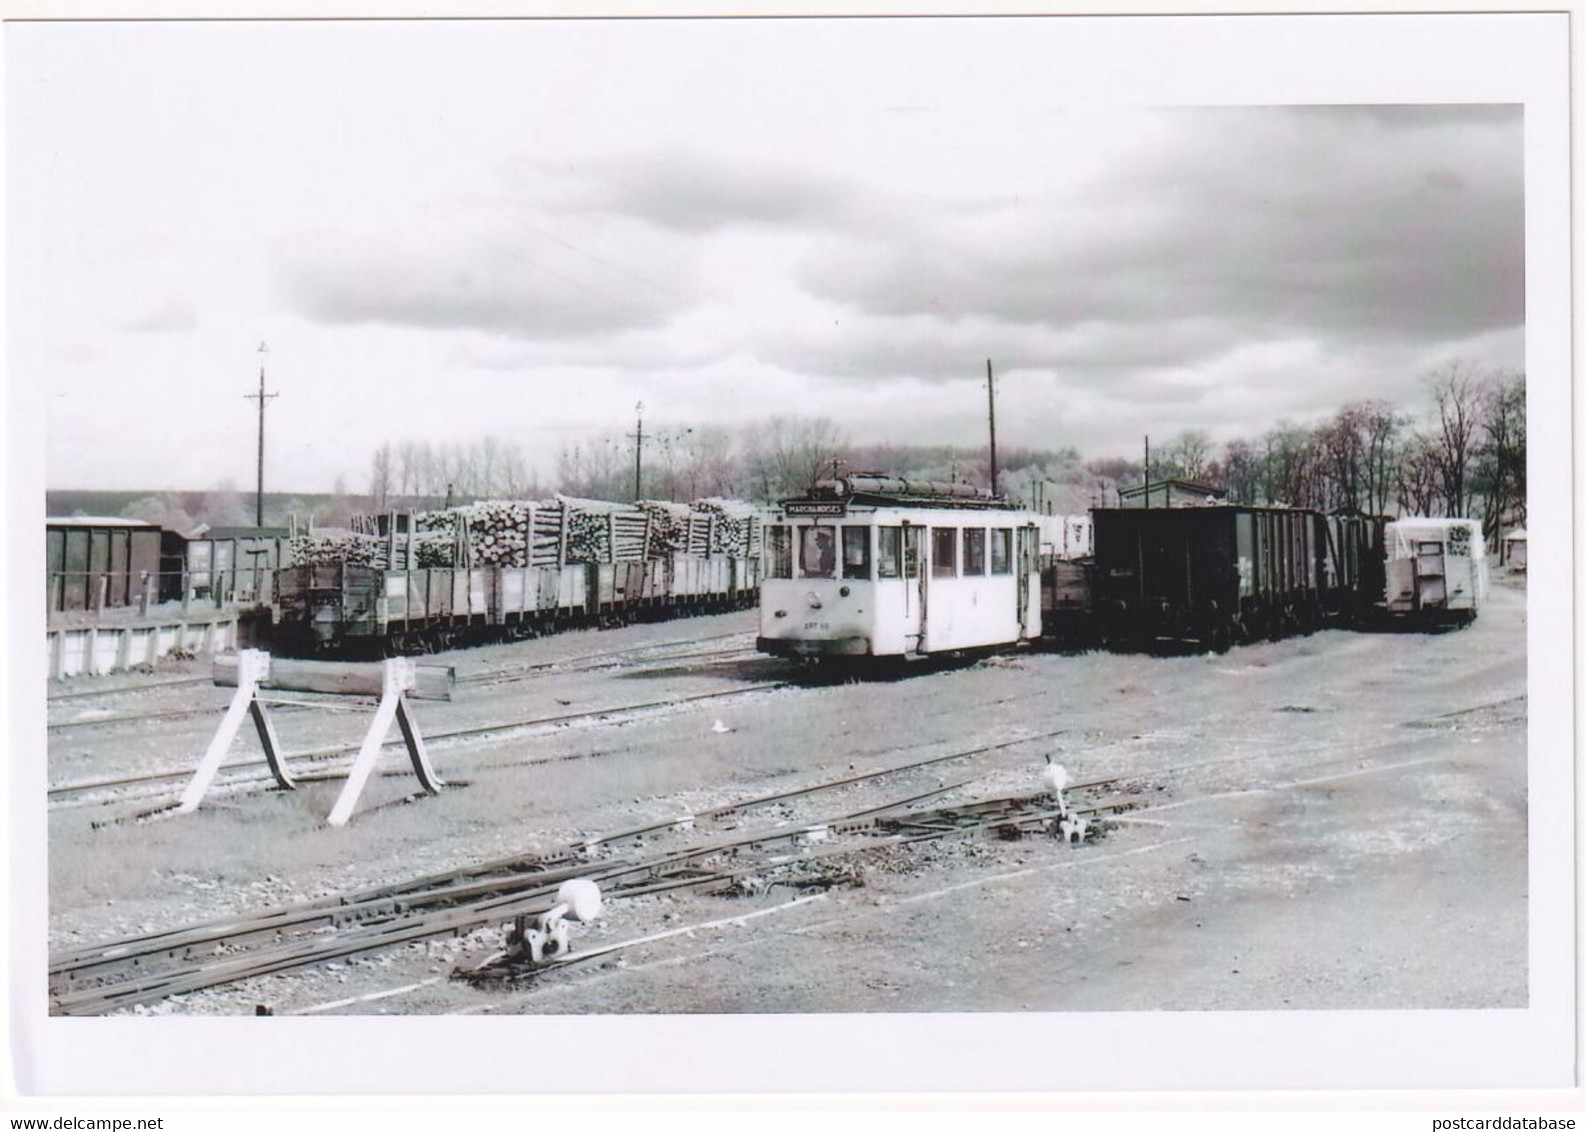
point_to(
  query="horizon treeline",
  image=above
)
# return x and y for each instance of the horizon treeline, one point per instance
(1461, 452)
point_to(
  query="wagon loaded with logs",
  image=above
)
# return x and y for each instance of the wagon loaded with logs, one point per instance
(417, 581)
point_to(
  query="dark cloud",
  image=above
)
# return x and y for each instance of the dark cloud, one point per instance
(1397, 226)
(697, 192)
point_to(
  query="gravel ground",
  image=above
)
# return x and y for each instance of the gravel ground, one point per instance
(1336, 821)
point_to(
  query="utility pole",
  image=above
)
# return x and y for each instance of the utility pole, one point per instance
(1148, 470)
(991, 413)
(637, 436)
(261, 397)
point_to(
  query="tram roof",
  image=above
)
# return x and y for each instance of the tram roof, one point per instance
(894, 491)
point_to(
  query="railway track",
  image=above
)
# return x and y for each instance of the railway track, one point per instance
(315, 760)
(149, 968)
(594, 662)
(124, 689)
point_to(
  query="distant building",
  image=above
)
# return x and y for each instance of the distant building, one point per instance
(1514, 544)
(1171, 493)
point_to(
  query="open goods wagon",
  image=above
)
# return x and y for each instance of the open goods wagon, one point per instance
(1216, 575)
(93, 563)
(364, 609)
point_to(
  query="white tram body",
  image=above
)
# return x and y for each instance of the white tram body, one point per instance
(870, 566)
(1436, 568)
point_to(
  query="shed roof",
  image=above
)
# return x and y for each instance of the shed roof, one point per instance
(246, 532)
(94, 521)
(1186, 486)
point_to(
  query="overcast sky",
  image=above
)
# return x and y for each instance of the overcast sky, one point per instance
(449, 230)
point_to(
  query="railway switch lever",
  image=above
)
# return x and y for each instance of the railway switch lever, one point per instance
(546, 936)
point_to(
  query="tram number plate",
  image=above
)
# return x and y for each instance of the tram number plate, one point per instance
(817, 624)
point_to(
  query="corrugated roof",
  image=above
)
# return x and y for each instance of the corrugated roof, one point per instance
(95, 521)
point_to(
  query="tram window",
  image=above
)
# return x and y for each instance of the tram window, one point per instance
(944, 552)
(911, 552)
(817, 552)
(889, 552)
(779, 552)
(856, 552)
(974, 551)
(1002, 551)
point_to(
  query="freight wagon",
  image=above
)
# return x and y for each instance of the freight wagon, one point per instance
(94, 563)
(366, 610)
(1220, 574)
(1436, 569)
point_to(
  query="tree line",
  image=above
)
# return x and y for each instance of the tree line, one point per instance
(1461, 453)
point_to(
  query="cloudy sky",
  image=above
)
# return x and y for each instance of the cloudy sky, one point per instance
(521, 229)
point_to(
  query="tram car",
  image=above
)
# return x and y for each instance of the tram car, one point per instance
(1223, 574)
(882, 567)
(1436, 570)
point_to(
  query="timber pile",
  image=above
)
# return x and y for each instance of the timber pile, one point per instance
(598, 531)
(669, 527)
(495, 533)
(549, 532)
(334, 548)
(735, 528)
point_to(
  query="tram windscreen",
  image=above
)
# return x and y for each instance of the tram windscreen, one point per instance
(856, 553)
(779, 552)
(818, 552)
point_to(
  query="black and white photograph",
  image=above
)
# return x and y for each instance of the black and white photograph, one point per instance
(1007, 534)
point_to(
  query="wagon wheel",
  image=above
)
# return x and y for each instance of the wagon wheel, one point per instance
(1221, 638)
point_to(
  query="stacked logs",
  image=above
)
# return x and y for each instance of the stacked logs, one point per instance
(495, 533)
(736, 529)
(669, 527)
(337, 548)
(547, 532)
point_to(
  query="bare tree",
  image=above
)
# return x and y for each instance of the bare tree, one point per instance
(1241, 471)
(1184, 458)
(1499, 471)
(1382, 427)
(1459, 391)
(1418, 477)
(380, 476)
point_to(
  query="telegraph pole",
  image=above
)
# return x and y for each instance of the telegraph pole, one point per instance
(991, 413)
(637, 436)
(261, 397)
(1148, 470)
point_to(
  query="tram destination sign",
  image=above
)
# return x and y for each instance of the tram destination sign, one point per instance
(816, 507)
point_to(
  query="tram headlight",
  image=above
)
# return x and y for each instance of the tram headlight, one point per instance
(814, 599)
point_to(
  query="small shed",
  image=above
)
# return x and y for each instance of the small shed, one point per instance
(93, 562)
(1171, 493)
(1514, 544)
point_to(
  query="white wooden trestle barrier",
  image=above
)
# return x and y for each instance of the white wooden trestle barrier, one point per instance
(396, 680)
